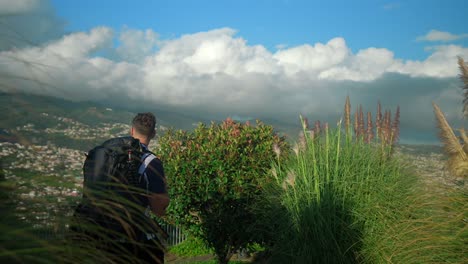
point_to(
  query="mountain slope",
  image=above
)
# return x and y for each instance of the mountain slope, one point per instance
(34, 119)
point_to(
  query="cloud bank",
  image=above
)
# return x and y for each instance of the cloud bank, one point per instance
(217, 73)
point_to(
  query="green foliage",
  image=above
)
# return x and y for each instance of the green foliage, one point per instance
(215, 173)
(192, 246)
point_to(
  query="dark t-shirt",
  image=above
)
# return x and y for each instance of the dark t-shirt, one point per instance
(153, 173)
(156, 178)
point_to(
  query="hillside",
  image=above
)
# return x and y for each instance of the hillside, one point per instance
(33, 119)
(39, 119)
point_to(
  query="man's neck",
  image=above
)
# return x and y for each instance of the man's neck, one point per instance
(142, 140)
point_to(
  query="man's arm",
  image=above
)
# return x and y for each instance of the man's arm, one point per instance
(158, 196)
(158, 203)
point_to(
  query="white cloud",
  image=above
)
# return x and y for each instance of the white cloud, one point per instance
(313, 59)
(440, 64)
(212, 52)
(136, 45)
(366, 65)
(81, 45)
(218, 72)
(436, 35)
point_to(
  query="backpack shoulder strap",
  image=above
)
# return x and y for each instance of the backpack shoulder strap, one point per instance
(147, 157)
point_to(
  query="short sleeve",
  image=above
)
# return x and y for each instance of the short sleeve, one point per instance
(156, 178)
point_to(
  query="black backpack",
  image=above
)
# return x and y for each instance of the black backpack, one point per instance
(114, 199)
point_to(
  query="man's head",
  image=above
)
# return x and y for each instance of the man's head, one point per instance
(143, 127)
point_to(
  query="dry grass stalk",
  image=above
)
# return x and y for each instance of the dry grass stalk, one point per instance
(458, 167)
(296, 149)
(387, 130)
(277, 150)
(388, 127)
(317, 127)
(464, 78)
(361, 122)
(290, 180)
(378, 121)
(464, 138)
(396, 125)
(312, 134)
(356, 123)
(458, 156)
(302, 141)
(451, 143)
(306, 123)
(347, 112)
(383, 128)
(369, 132)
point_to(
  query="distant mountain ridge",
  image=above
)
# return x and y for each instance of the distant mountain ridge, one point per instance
(40, 119)
(20, 111)
(21, 105)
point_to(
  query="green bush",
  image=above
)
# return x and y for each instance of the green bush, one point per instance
(214, 174)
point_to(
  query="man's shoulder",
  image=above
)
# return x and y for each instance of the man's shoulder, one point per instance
(147, 154)
(154, 160)
(153, 166)
(151, 160)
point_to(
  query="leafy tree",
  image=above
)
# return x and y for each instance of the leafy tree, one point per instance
(214, 174)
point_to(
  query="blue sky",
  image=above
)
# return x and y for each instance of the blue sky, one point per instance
(248, 59)
(394, 25)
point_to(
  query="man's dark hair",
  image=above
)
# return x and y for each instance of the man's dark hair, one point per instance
(144, 123)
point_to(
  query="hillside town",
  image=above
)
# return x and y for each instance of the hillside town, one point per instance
(76, 130)
(47, 160)
(430, 166)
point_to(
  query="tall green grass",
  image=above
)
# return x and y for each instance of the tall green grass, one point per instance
(38, 240)
(339, 200)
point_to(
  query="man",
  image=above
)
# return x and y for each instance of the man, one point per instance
(123, 183)
(143, 129)
(151, 169)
